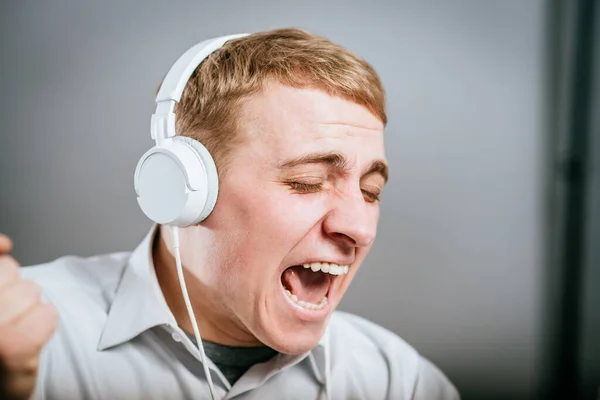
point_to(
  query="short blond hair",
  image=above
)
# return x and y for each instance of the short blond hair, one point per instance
(209, 109)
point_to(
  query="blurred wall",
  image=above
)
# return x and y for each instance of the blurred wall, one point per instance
(589, 349)
(457, 268)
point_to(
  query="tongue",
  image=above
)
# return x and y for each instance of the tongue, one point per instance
(305, 284)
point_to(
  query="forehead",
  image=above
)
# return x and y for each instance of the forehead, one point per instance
(282, 121)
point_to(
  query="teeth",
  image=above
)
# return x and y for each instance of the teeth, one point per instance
(333, 269)
(306, 304)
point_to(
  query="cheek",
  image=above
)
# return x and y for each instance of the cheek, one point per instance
(254, 228)
(271, 214)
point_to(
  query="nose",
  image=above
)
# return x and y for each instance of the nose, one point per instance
(352, 222)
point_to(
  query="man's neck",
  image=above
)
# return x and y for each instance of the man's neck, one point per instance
(213, 326)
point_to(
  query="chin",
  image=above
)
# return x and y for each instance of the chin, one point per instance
(294, 312)
(296, 330)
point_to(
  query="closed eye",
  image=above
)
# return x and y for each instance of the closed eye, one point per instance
(302, 187)
(371, 197)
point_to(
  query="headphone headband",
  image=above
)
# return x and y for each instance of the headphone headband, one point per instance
(179, 74)
(171, 89)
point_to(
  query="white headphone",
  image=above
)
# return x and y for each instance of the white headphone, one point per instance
(176, 181)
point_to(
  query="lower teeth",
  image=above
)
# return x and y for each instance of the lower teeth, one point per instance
(306, 304)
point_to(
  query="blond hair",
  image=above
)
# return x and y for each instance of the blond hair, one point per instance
(210, 104)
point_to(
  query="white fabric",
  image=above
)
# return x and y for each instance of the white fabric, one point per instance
(118, 340)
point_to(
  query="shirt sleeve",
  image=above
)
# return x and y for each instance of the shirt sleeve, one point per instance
(432, 384)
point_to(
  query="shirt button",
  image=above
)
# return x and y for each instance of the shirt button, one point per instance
(176, 336)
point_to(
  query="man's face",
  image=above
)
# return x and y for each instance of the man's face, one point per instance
(301, 189)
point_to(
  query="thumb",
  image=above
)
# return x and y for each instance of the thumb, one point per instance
(5, 244)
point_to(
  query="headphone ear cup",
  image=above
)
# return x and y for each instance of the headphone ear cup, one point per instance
(177, 184)
(212, 176)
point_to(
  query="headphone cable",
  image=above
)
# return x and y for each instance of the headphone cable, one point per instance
(188, 305)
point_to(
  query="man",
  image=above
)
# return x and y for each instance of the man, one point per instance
(295, 126)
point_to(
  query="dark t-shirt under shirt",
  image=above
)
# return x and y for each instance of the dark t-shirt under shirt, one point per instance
(235, 361)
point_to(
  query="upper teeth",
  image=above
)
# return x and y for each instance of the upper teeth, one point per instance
(330, 268)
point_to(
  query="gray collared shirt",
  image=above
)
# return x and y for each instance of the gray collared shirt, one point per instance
(118, 340)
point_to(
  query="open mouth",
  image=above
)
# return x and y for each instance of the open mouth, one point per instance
(308, 284)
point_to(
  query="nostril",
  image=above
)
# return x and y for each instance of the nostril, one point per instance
(342, 237)
(350, 227)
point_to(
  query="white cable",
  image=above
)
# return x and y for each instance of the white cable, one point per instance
(327, 369)
(188, 305)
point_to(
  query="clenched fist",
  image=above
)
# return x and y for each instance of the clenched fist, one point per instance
(26, 325)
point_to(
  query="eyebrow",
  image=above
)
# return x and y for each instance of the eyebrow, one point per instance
(336, 161)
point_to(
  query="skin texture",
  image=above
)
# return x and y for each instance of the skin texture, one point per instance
(272, 213)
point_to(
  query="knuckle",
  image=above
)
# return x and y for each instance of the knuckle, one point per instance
(52, 319)
(19, 300)
(8, 261)
(20, 354)
(5, 243)
(18, 345)
(8, 266)
(12, 348)
(31, 289)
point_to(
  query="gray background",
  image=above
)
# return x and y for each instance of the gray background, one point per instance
(458, 267)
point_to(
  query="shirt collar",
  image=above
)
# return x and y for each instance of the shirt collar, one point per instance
(139, 304)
